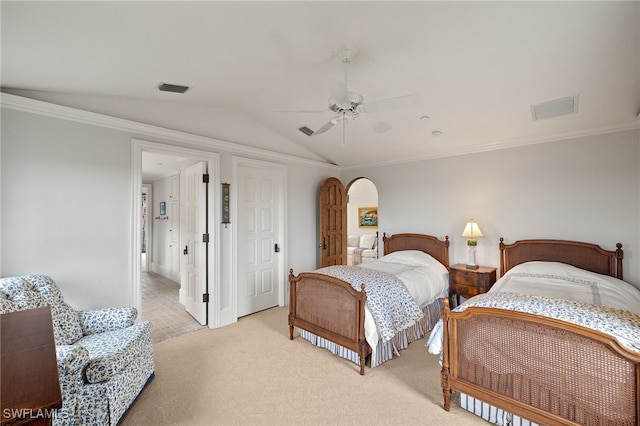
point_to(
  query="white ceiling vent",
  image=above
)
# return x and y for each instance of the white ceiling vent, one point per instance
(556, 108)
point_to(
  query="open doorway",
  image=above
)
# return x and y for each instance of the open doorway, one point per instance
(338, 206)
(362, 222)
(157, 286)
(160, 275)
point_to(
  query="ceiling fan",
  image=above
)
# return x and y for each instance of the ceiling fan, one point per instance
(348, 106)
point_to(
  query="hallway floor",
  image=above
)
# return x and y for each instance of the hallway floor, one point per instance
(160, 305)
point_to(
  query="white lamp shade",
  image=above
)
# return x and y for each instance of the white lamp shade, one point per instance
(472, 230)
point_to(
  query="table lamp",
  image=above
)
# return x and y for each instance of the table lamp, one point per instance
(472, 231)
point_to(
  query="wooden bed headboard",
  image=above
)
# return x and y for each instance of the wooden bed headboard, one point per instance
(590, 257)
(438, 249)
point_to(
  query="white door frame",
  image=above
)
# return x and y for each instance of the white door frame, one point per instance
(137, 148)
(149, 221)
(236, 162)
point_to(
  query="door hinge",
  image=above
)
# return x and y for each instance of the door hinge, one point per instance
(205, 178)
(205, 297)
(205, 238)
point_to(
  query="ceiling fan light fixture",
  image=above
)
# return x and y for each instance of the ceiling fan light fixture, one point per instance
(355, 100)
(348, 106)
(346, 54)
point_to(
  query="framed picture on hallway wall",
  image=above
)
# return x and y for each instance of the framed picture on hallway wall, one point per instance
(368, 217)
(163, 208)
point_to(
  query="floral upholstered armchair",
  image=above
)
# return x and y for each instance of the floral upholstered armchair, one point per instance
(104, 358)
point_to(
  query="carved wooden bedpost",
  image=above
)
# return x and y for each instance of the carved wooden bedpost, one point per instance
(444, 376)
(502, 254)
(619, 257)
(362, 350)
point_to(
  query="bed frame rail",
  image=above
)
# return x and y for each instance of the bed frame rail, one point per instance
(543, 369)
(330, 308)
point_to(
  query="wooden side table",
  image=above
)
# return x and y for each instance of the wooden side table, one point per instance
(30, 385)
(469, 282)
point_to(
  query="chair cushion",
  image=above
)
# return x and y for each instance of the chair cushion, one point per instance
(353, 240)
(106, 319)
(367, 241)
(66, 324)
(110, 352)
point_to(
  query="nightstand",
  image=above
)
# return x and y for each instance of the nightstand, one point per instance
(469, 282)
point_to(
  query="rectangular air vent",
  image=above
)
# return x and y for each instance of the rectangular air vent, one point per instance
(175, 88)
(307, 131)
(555, 108)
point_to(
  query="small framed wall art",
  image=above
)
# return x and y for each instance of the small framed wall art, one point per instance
(368, 217)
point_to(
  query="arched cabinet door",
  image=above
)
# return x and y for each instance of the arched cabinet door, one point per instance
(333, 223)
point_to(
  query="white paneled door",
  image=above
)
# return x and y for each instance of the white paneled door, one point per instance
(259, 204)
(192, 228)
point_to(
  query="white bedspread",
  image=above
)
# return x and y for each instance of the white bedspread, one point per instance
(564, 281)
(425, 278)
(561, 281)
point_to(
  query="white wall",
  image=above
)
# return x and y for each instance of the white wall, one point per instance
(66, 207)
(302, 215)
(585, 189)
(66, 201)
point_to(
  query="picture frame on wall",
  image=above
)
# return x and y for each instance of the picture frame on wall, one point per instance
(163, 208)
(368, 217)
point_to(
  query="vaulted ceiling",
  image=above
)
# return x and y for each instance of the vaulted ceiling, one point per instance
(259, 71)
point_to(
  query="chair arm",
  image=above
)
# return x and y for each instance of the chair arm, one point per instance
(108, 319)
(71, 359)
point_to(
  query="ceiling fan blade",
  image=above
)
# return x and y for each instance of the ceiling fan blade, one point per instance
(391, 103)
(375, 124)
(326, 127)
(339, 92)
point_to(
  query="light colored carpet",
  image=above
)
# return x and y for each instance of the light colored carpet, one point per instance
(250, 373)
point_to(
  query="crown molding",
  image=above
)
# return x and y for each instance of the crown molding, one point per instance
(20, 103)
(138, 129)
(514, 143)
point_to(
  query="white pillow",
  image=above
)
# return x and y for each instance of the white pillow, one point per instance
(353, 240)
(410, 258)
(367, 241)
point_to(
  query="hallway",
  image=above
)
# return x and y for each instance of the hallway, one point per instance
(160, 305)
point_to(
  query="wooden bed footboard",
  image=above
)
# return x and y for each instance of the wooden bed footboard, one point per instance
(329, 308)
(542, 369)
